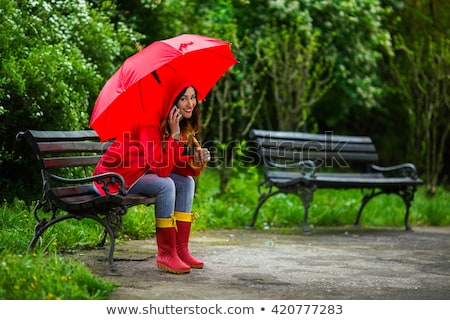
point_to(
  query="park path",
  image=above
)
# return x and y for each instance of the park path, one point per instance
(331, 263)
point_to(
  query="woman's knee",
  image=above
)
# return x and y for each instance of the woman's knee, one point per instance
(183, 182)
(190, 183)
(153, 185)
(167, 186)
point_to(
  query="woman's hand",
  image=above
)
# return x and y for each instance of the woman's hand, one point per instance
(201, 156)
(174, 123)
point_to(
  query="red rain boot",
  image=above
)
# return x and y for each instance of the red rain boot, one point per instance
(184, 221)
(167, 258)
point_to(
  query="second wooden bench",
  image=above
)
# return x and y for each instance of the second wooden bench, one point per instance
(300, 163)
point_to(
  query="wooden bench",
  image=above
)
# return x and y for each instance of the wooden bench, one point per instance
(66, 160)
(300, 163)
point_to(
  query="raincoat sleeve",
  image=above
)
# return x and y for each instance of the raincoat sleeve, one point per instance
(161, 160)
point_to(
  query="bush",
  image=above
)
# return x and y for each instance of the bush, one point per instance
(54, 59)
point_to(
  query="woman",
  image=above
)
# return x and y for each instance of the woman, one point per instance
(153, 161)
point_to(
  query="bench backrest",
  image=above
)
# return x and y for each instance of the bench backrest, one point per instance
(59, 151)
(327, 150)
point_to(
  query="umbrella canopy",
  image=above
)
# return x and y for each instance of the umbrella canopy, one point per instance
(140, 90)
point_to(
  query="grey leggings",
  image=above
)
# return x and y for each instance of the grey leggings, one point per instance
(174, 193)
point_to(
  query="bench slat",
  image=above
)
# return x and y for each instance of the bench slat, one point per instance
(73, 146)
(314, 145)
(72, 191)
(80, 135)
(338, 180)
(291, 135)
(76, 161)
(339, 157)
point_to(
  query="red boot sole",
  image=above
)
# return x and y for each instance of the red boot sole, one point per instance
(175, 271)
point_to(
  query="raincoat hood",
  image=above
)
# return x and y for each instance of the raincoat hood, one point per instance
(157, 105)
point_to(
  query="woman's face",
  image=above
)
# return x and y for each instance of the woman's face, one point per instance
(187, 103)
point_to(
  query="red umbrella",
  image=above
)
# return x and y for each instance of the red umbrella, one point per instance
(139, 90)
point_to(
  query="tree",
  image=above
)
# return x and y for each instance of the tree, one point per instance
(232, 111)
(300, 74)
(55, 56)
(425, 89)
(419, 72)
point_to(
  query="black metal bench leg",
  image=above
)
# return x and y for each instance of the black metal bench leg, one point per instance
(101, 244)
(366, 198)
(43, 224)
(261, 201)
(364, 201)
(407, 196)
(39, 229)
(111, 224)
(306, 195)
(407, 225)
(305, 219)
(112, 245)
(109, 230)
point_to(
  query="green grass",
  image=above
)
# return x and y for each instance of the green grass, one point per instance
(48, 277)
(51, 273)
(328, 208)
(45, 274)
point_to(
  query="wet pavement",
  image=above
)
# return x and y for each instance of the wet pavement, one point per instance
(330, 263)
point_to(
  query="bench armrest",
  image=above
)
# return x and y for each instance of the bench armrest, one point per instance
(406, 169)
(307, 167)
(104, 179)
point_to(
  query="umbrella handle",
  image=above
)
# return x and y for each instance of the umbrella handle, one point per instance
(191, 161)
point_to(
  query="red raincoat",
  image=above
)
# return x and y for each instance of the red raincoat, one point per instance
(141, 151)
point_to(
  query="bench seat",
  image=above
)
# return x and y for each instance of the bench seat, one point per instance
(282, 179)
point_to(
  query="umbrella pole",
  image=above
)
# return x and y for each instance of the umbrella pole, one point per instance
(137, 45)
(196, 143)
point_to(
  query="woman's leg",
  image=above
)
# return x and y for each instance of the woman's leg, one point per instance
(163, 189)
(185, 189)
(166, 228)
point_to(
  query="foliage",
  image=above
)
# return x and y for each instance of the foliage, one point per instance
(299, 73)
(139, 222)
(355, 31)
(17, 226)
(55, 56)
(419, 72)
(425, 88)
(45, 274)
(37, 277)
